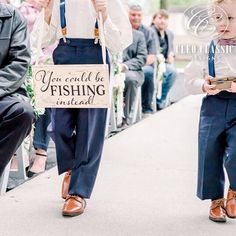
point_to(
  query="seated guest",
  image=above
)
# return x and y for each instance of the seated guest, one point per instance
(165, 42)
(16, 114)
(135, 17)
(134, 58)
(30, 9)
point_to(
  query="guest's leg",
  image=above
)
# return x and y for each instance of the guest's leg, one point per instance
(16, 119)
(169, 78)
(148, 89)
(41, 137)
(40, 143)
(133, 80)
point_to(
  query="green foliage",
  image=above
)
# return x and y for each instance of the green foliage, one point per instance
(175, 3)
(184, 2)
(30, 92)
(116, 60)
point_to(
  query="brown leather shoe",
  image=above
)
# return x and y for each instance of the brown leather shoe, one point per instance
(231, 204)
(74, 206)
(65, 185)
(217, 210)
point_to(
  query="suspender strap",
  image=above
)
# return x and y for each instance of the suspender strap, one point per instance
(96, 32)
(211, 59)
(98, 29)
(63, 19)
(63, 23)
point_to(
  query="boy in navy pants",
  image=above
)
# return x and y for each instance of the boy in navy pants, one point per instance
(217, 126)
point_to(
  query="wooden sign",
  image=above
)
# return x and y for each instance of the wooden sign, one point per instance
(71, 86)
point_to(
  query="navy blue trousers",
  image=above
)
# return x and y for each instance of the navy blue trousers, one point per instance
(79, 133)
(148, 89)
(169, 78)
(217, 146)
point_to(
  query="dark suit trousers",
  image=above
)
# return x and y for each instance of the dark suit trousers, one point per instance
(79, 133)
(133, 80)
(16, 119)
(217, 139)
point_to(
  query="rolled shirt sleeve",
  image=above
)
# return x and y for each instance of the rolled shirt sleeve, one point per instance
(49, 35)
(194, 77)
(117, 39)
(117, 28)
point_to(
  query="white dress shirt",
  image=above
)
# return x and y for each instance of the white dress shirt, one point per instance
(81, 18)
(197, 69)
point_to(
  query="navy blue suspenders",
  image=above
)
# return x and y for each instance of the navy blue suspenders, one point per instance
(211, 59)
(63, 23)
(63, 18)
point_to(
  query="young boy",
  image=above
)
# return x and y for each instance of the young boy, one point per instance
(217, 127)
(79, 133)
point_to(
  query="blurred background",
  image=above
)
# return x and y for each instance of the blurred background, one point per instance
(176, 9)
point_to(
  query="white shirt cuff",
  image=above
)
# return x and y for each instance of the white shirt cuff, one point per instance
(198, 85)
(112, 36)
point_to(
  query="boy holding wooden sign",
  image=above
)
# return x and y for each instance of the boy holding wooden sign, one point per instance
(79, 132)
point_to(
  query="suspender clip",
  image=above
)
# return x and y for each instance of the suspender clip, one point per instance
(64, 33)
(96, 32)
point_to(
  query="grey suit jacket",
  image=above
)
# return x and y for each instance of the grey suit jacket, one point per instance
(135, 55)
(170, 37)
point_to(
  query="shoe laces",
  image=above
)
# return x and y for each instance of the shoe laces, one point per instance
(234, 195)
(218, 203)
(76, 197)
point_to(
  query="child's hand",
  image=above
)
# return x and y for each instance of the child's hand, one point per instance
(232, 88)
(42, 3)
(123, 67)
(171, 58)
(208, 88)
(47, 5)
(101, 6)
